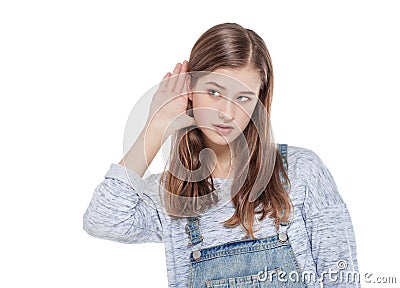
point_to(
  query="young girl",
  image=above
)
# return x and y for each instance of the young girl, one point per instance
(233, 209)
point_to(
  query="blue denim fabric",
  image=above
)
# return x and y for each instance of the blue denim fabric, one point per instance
(193, 231)
(266, 262)
(245, 264)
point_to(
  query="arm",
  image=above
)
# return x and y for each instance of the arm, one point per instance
(167, 114)
(117, 212)
(329, 225)
(122, 207)
(143, 151)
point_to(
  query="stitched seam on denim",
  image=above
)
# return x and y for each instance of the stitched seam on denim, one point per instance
(269, 241)
(193, 240)
(193, 230)
(192, 274)
(223, 281)
(242, 249)
(294, 259)
(231, 253)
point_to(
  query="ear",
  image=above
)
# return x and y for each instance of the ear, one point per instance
(189, 89)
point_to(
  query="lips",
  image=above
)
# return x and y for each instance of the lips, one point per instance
(223, 126)
(223, 129)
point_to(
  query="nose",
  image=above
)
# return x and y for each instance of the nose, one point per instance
(226, 109)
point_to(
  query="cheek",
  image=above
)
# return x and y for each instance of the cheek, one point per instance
(243, 116)
(202, 110)
(243, 122)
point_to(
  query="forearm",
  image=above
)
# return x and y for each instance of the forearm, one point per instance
(143, 151)
(117, 212)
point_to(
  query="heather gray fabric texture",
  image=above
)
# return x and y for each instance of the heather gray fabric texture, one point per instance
(128, 209)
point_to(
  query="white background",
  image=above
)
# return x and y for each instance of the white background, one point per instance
(71, 71)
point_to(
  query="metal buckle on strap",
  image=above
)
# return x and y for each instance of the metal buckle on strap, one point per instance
(196, 254)
(283, 237)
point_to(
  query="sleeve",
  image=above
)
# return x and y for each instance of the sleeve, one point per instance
(117, 212)
(329, 226)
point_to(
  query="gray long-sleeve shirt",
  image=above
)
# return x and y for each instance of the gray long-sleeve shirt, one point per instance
(126, 208)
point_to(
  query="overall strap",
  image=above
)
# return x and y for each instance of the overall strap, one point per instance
(193, 230)
(283, 150)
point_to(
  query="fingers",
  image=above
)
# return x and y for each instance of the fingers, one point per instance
(181, 78)
(164, 81)
(177, 81)
(172, 80)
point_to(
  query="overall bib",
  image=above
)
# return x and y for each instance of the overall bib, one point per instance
(266, 262)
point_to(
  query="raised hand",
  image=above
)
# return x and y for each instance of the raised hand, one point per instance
(169, 103)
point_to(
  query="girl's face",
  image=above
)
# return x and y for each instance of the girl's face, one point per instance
(223, 102)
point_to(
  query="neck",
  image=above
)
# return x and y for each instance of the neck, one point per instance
(224, 160)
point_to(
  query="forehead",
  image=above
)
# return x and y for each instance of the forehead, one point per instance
(233, 79)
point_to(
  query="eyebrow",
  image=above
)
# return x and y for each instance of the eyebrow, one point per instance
(223, 88)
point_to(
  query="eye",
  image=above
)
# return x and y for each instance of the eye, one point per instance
(247, 98)
(212, 92)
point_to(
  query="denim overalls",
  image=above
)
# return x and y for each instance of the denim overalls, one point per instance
(266, 262)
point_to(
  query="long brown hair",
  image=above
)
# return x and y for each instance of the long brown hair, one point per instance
(229, 45)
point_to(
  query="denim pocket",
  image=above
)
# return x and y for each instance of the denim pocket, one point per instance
(263, 279)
